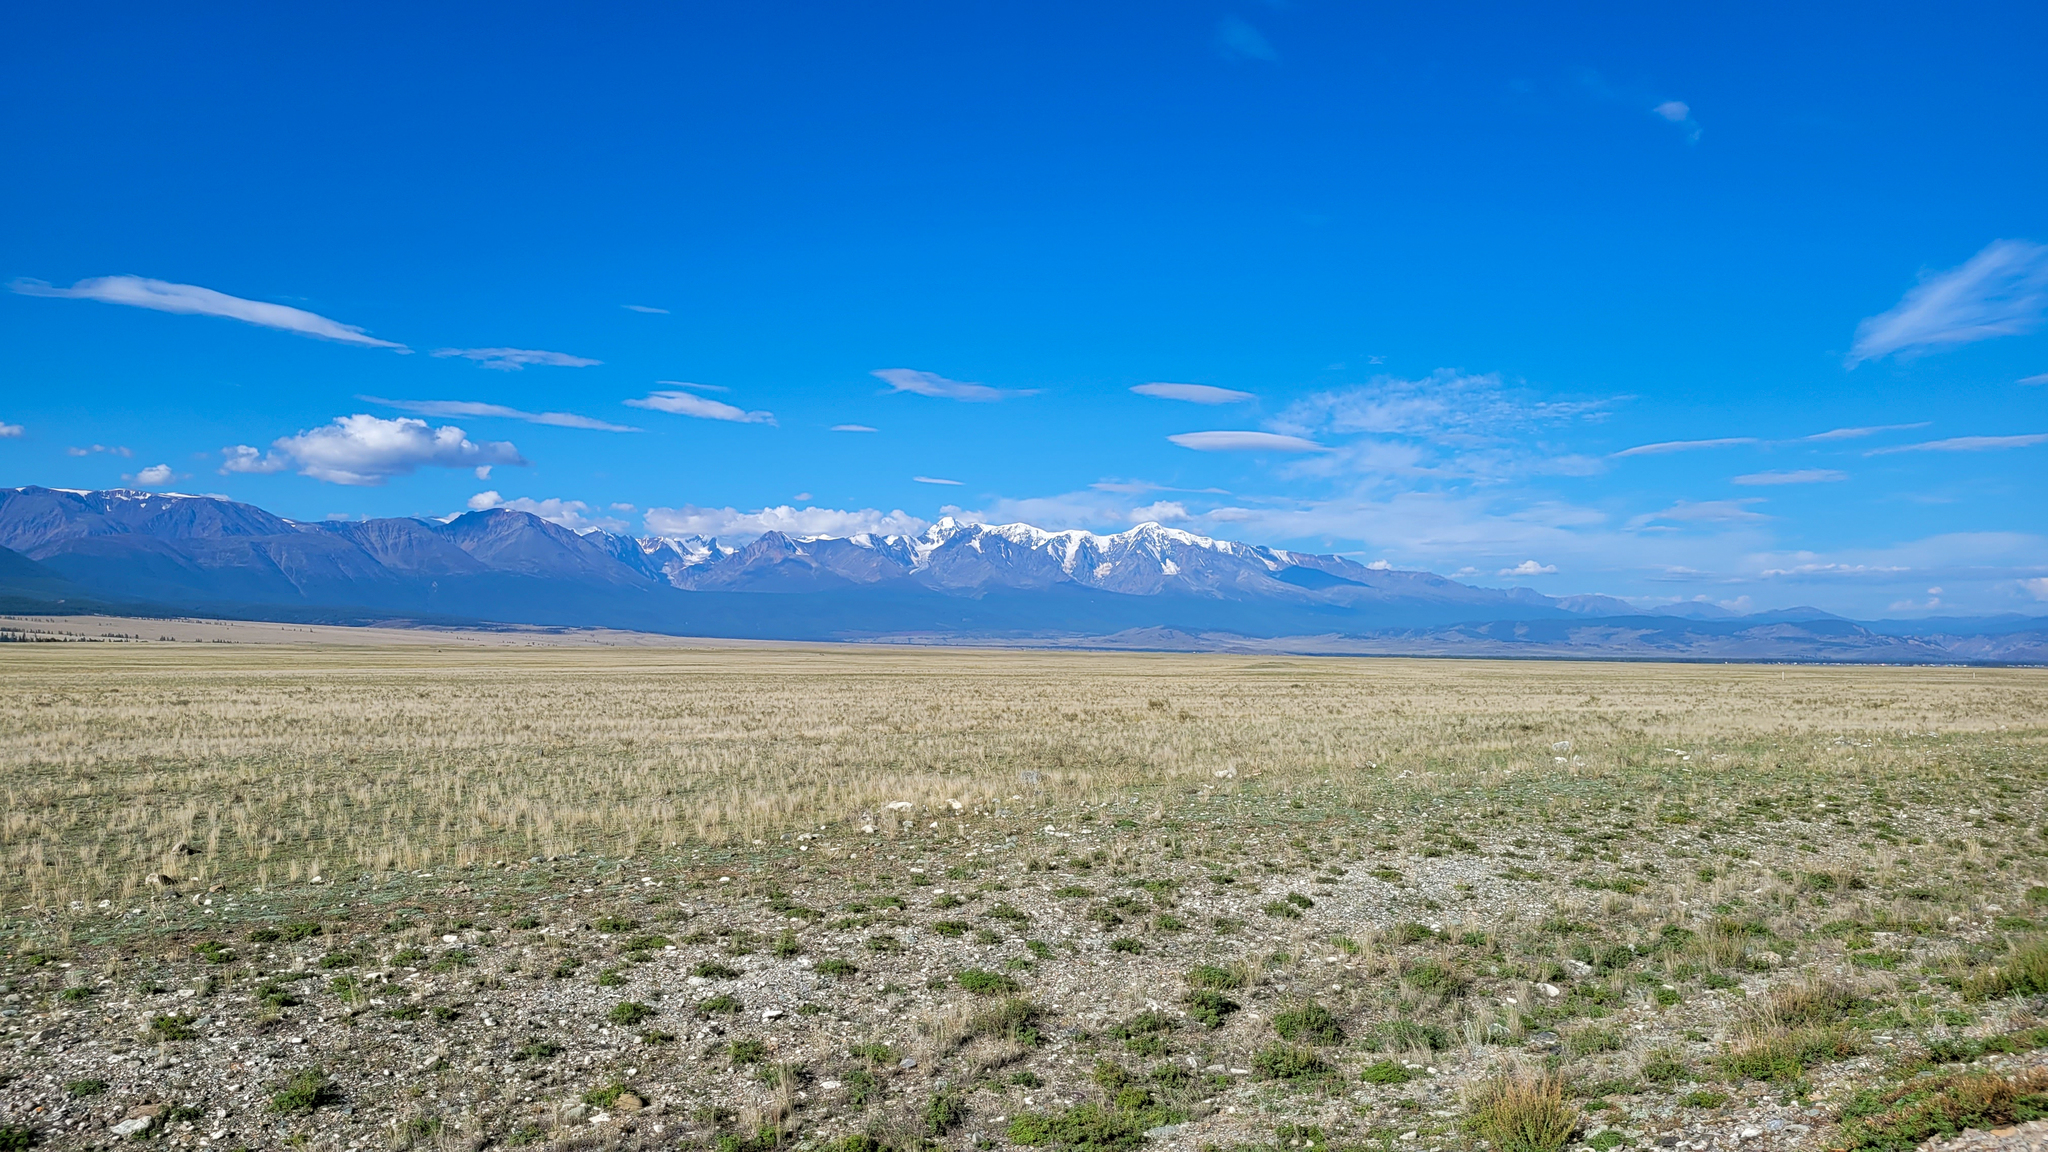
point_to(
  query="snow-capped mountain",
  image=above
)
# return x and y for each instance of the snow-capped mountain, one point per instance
(151, 552)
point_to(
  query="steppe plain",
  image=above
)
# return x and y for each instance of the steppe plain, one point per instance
(386, 896)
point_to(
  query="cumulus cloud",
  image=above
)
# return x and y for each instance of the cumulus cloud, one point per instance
(1668, 446)
(514, 359)
(192, 300)
(935, 480)
(1966, 444)
(702, 407)
(445, 408)
(1193, 393)
(10, 431)
(1529, 568)
(367, 450)
(1162, 512)
(932, 384)
(154, 476)
(1237, 40)
(2001, 291)
(730, 523)
(571, 514)
(1245, 442)
(852, 428)
(1797, 476)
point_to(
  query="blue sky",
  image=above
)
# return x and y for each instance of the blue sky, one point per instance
(1737, 305)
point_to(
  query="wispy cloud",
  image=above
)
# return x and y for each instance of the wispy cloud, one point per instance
(852, 428)
(1798, 476)
(2040, 379)
(1193, 393)
(704, 408)
(1237, 40)
(933, 384)
(1966, 444)
(2036, 586)
(514, 359)
(1858, 433)
(10, 431)
(1668, 446)
(1679, 113)
(936, 480)
(694, 387)
(1245, 442)
(574, 515)
(1444, 402)
(96, 449)
(366, 450)
(2001, 291)
(445, 408)
(732, 523)
(1702, 512)
(647, 308)
(192, 300)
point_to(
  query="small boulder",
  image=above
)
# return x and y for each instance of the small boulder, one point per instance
(160, 880)
(628, 1102)
(181, 848)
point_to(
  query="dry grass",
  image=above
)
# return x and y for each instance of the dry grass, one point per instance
(275, 764)
(1523, 1110)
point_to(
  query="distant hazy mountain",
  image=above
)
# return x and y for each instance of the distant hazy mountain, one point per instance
(955, 583)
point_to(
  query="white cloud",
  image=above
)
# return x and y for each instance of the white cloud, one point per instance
(647, 308)
(1675, 111)
(932, 384)
(1966, 444)
(852, 428)
(1833, 568)
(694, 387)
(2036, 586)
(10, 431)
(1161, 511)
(114, 449)
(367, 450)
(1799, 476)
(1444, 402)
(935, 480)
(514, 359)
(1529, 568)
(445, 408)
(192, 300)
(571, 514)
(1703, 512)
(1193, 393)
(2040, 379)
(154, 476)
(1668, 446)
(690, 404)
(2001, 291)
(1857, 433)
(483, 471)
(243, 459)
(1245, 442)
(734, 524)
(1237, 40)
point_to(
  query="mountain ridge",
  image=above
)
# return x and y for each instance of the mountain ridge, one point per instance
(957, 582)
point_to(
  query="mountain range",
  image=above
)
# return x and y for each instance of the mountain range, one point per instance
(1152, 586)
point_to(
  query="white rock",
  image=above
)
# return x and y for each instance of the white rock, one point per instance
(132, 1127)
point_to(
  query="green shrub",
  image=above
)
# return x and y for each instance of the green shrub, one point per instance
(1387, 1072)
(627, 1013)
(943, 1112)
(308, 1088)
(2024, 973)
(713, 970)
(1213, 976)
(1281, 910)
(1525, 1112)
(1907, 1116)
(79, 1088)
(1084, 1128)
(834, 966)
(1128, 944)
(1208, 1006)
(1289, 1062)
(985, 983)
(1310, 1022)
(173, 1027)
